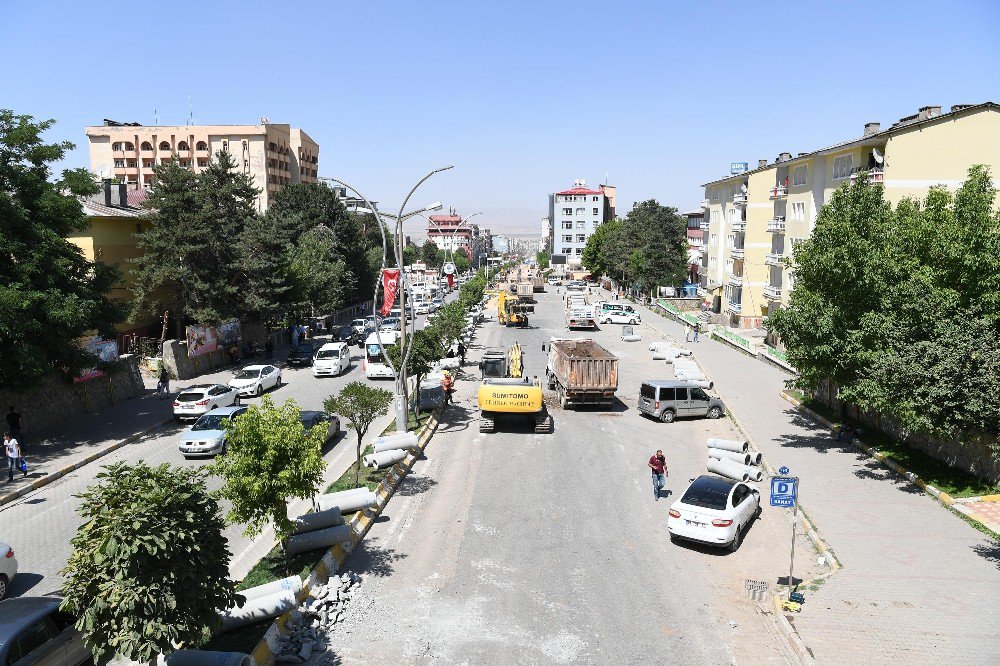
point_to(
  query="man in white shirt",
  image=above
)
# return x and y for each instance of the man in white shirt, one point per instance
(13, 451)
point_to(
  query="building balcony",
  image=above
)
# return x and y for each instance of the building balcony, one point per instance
(776, 225)
(735, 307)
(703, 225)
(735, 280)
(704, 203)
(740, 199)
(736, 252)
(739, 225)
(876, 175)
(779, 192)
(772, 293)
(774, 259)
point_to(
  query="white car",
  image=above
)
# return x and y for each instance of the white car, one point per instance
(332, 358)
(200, 399)
(423, 307)
(714, 511)
(208, 434)
(8, 568)
(438, 303)
(255, 379)
(618, 317)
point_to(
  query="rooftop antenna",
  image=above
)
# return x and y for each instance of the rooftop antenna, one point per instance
(156, 117)
(190, 111)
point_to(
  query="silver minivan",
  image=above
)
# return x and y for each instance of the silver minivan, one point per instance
(668, 399)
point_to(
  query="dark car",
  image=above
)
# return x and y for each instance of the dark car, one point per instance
(34, 631)
(311, 419)
(301, 355)
(344, 334)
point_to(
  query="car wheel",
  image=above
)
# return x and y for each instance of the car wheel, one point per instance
(258, 389)
(673, 537)
(3, 586)
(631, 322)
(714, 413)
(734, 545)
(758, 512)
(667, 416)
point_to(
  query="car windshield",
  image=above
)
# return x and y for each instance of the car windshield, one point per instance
(193, 396)
(304, 349)
(328, 353)
(210, 422)
(247, 374)
(708, 493)
(347, 331)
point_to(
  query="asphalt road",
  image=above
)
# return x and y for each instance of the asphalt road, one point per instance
(522, 548)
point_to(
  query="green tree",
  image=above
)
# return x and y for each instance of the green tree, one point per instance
(318, 272)
(50, 294)
(462, 262)
(542, 257)
(660, 234)
(150, 565)
(360, 404)
(448, 325)
(270, 459)
(411, 253)
(431, 254)
(424, 351)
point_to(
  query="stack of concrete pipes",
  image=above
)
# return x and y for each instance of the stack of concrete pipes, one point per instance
(389, 450)
(732, 458)
(262, 603)
(320, 529)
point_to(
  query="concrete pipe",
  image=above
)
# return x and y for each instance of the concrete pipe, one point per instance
(262, 608)
(449, 363)
(659, 355)
(755, 473)
(729, 468)
(407, 440)
(686, 367)
(356, 501)
(291, 584)
(736, 456)
(206, 658)
(384, 458)
(728, 445)
(702, 383)
(318, 520)
(300, 543)
(631, 338)
(690, 375)
(756, 458)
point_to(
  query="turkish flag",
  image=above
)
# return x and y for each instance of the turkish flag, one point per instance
(390, 285)
(451, 280)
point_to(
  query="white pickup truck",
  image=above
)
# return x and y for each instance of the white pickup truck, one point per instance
(581, 317)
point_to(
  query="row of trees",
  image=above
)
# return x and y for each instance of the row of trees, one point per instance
(646, 249)
(900, 307)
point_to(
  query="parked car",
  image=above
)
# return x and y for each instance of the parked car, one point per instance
(8, 569)
(667, 399)
(437, 302)
(345, 334)
(608, 314)
(34, 631)
(255, 379)
(332, 358)
(555, 282)
(423, 307)
(390, 324)
(301, 355)
(311, 419)
(359, 326)
(714, 511)
(208, 435)
(200, 399)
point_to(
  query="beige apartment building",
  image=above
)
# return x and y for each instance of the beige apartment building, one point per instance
(754, 219)
(273, 154)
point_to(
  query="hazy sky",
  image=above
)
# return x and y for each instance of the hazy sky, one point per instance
(522, 97)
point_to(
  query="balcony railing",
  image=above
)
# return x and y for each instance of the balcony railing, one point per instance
(772, 293)
(740, 199)
(774, 259)
(736, 252)
(704, 203)
(779, 192)
(735, 280)
(739, 225)
(735, 307)
(776, 225)
(876, 175)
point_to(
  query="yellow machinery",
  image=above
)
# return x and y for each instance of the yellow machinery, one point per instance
(510, 312)
(505, 391)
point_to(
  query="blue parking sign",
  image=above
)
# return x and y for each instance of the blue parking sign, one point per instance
(784, 490)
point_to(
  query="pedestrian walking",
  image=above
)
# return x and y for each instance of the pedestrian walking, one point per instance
(447, 383)
(269, 347)
(13, 451)
(14, 423)
(461, 352)
(688, 329)
(658, 465)
(697, 330)
(163, 385)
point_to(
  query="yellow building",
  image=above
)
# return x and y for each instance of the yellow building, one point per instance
(753, 220)
(274, 155)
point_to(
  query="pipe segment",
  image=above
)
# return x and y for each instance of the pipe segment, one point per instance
(384, 458)
(347, 501)
(330, 536)
(736, 456)
(318, 520)
(739, 446)
(406, 440)
(729, 468)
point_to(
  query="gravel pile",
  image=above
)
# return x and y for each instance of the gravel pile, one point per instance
(324, 607)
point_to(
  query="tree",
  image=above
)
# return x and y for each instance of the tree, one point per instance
(50, 294)
(449, 323)
(317, 271)
(660, 234)
(472, 291)
(360, 404)
(424, 350)
(149, 567)
(462, 262)
(270, 459)
(431, 254)
(542, 257)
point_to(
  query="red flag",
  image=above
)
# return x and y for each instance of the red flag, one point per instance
(390, 285)
(451, 280)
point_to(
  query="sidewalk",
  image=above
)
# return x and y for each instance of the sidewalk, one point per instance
(918, 584)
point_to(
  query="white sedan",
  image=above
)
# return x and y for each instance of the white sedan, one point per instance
(200, 399)
(255, 379)
(8, 568)
(422, 307)
(714, 511)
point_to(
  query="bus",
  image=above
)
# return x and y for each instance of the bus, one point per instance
(375, 363)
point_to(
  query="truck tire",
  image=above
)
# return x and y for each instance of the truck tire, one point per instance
(563, 400)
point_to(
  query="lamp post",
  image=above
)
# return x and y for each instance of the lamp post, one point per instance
(404, 347)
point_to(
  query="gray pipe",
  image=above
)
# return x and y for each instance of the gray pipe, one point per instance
(690, 375)
(728, 445)
(262, 608)
(722, 454)
(317, 520)
(729, 469)
(384, 458)
(300, 543)
(401, 441)
(206, 658)
(347, 504)
(291, 584)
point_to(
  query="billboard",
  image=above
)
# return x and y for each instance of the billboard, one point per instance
(228, 334)
(201, 340)
(106, 350)
(557, 259)
(738, 167)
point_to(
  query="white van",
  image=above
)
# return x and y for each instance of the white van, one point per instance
(376, 366)
(331, 359)
(617, 313)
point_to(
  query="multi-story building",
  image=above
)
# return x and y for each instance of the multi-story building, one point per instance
(273, 154)
(574, 215)
(696, 244)
(753, 220)
(546, 237)
(450, 233)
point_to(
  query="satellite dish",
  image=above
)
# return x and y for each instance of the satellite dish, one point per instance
(877, 154)
(104, 171)
(264, 121)
(743, 188)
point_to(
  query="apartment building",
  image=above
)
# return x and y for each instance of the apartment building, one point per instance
(450, 232)
(753, 220)
(575, 214)
(273, 154)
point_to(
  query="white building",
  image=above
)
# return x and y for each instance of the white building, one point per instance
(575, 214)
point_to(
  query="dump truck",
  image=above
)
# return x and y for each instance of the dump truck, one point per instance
(538, 283)
(504, 393)
(525, 292)
(581, 372)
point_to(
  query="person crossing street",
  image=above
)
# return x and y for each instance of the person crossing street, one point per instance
(658, 465)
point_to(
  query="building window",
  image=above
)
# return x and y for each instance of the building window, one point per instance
(798, 211)
(580, 212)
(246, 146)
(578, 251)
(225, 146)
(800, 174)
(116, 146)
(202, 162)
(595, 198)
(146, 145)
(133, 164)
(182, 145)
(129, 146)
(581, 238)
(596, 212)
(164, 146)
(597, 223)
(568, 211)
(567, 224)
(567, 238)
(566, 250)
(842, 167)
(714, 238)
(581, 224)
(201, 145)
(119, 164)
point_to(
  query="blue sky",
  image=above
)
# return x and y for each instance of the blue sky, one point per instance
(522, 97)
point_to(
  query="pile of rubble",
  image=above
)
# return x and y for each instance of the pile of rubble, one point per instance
(310, 622)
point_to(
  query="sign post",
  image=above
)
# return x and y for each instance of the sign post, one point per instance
(784, 492)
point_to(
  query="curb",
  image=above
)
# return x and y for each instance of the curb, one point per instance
(55, 476)
(800, 649)
(266, 651)
(944, 498)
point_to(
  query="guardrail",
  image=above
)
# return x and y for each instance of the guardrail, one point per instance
(725, 335)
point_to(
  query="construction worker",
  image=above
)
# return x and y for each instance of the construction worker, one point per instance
(448, 384)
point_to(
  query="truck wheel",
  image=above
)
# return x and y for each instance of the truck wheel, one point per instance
(563, 400)
(667, 416)
(714, 413)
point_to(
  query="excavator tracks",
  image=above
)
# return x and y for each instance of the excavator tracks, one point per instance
(487, 424)
(543, 423)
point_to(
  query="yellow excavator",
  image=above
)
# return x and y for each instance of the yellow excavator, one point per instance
(505, 391)
(510, 312)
